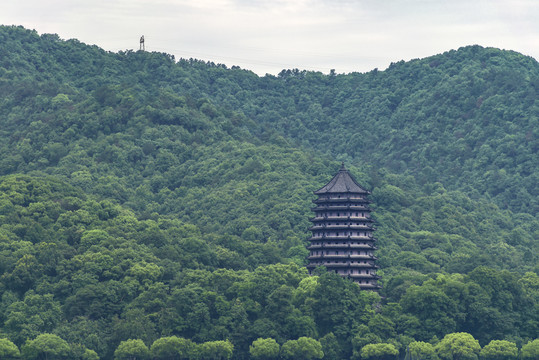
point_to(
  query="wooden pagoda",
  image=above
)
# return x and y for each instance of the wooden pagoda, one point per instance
(342, 233)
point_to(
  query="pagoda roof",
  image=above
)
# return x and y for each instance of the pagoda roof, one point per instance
(341, 183)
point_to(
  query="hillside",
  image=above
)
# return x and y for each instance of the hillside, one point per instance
(143, 198)
(467, 118)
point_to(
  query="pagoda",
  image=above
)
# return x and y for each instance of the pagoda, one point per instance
(342, 233)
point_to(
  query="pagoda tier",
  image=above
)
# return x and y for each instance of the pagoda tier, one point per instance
(342, 233)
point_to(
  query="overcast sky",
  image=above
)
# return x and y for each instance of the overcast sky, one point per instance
(268, 36)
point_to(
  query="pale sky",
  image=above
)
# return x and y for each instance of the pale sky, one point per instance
(267, 36)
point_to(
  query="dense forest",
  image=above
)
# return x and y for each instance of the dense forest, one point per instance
(159, 209)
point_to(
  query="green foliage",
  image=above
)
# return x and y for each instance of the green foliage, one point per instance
(421, 350)
(215, 350)
(304, 348)
(458, 346)
(8, 350)
(331, 347)
(380, 351)
(132, 349)
(530, 350)
(172, 347)
(34, 315)
(46, 346)
(79, 351)
(499, 350)
(264, 349)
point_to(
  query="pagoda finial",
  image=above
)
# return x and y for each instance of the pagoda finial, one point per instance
(342, 166)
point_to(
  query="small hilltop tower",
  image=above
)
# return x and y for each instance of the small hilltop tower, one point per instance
(342, 233)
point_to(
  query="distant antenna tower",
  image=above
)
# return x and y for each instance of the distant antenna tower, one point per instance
(142, 43)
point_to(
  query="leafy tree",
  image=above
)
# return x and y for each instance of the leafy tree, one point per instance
(530, 350)
(363, 338)
(381, 326)
(172, 347)
(264, 349)
(461, 346)
(339, 304)
(331, 347)
(421, 350)
(304, 348)
(25, 273)
(32, 316)
(432, 306)
(81, 352)
(380, 351)
(132, 349)
(499, 350)
(46, 346)
(8, 350)
(216, 350)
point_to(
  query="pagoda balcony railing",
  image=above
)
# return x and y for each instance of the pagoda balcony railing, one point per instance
(343, 237)
(365, 276)
(362, 265)
(343, 199)
(343, 256)
(347, 264)
(341, 207)
(343, 217)
(370, 266)
(331, 264)
(343, 229)
(325, 225)
(342, 246)
(327, 256)
(336, 227)
(370, 257)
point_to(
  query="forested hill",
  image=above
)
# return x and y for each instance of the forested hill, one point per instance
(168, 201)
(465, 118)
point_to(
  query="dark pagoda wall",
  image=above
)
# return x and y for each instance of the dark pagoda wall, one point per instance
(342, 237)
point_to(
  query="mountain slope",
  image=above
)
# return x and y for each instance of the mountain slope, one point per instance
(143, 198)
(466, 118)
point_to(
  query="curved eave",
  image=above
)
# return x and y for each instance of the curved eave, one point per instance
(343, 199)
(347, 257)
(342, 183)
(352, 207)
(341, 227)
(347, 246)
(365, 276)
(347, 238)
(342, 218)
